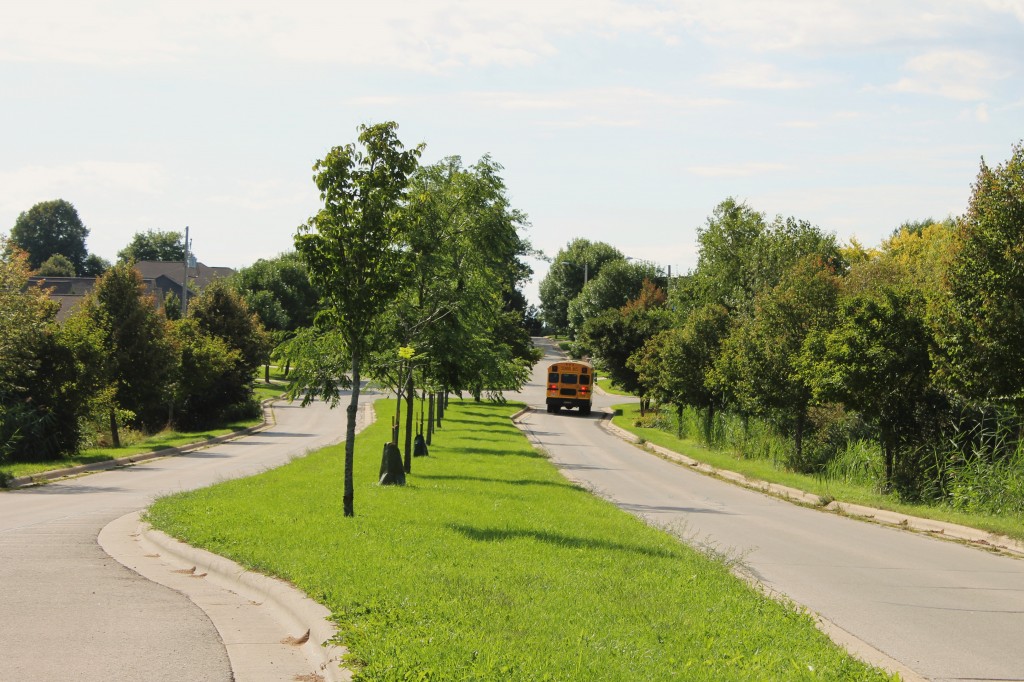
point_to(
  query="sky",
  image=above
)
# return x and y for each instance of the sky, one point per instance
(619, 121)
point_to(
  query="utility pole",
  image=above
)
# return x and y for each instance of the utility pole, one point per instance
(184, 280)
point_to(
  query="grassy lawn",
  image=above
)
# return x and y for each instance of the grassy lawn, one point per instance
(489, 565)
(828, 490)
(159, 441)
(609, 386)
(275, 388)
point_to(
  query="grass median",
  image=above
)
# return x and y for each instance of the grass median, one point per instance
(489, 565)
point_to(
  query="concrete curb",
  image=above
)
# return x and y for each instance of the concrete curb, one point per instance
(43, 477)
(291, 604)
(271, 630)
(941, 529)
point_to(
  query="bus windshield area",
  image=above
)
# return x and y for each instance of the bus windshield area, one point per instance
(566, 378)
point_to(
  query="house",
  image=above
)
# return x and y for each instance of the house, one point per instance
(167, 276)
(158, 277)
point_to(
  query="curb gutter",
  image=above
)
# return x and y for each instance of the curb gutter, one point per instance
(841, 637)
(941, 529)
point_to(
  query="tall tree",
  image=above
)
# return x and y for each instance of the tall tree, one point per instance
(49, 228)
(138, 358)
(614, 336)
(876, 360)
(573, 266)
(159, 245)
(617, 283)
(220, 312)
(742, 254)
(759, 364)
(677, 364)
(987, 286)
(355, 247)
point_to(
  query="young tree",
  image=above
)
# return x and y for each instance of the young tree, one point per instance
(355, 248)
(48, 228)
(157, 245)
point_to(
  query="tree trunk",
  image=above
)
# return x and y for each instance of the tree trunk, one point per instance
(798, 437)
(430, 417)
(287, 367)
(350, 437)
(409, 396)
(398, 416)
(115, 436)
(266, 373)
(679, 420)
(889, 453)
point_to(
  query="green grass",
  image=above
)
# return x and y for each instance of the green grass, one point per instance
(766, 470)
(489, 565)
(154, 443)
(609, 386)
(275, 388)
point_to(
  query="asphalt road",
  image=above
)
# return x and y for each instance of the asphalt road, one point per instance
(945, 611)
(70, 612)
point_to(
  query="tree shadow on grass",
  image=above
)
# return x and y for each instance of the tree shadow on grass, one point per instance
(483, 479)
(495, 452)
(558, 539)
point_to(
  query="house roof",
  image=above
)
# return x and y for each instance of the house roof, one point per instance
(201, 275)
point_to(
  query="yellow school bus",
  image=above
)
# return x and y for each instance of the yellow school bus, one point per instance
(570, 384)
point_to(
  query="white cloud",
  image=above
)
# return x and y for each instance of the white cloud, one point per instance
(759, 77)
(421, 36)
(590, 99)
(955, 74)
(29, 185)
(981, 113)
(830, 24)
(737, 169)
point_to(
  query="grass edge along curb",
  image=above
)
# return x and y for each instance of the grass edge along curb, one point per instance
(105, 465)
(490, 544)
(295, 605)
(841, 637)
(939, 529)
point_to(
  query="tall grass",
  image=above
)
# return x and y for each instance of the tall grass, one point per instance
(972, 461)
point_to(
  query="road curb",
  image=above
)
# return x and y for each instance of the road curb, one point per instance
(940, 529)
(267, 625)
(45, 476)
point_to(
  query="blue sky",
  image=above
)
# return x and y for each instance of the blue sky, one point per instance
(624, 122)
